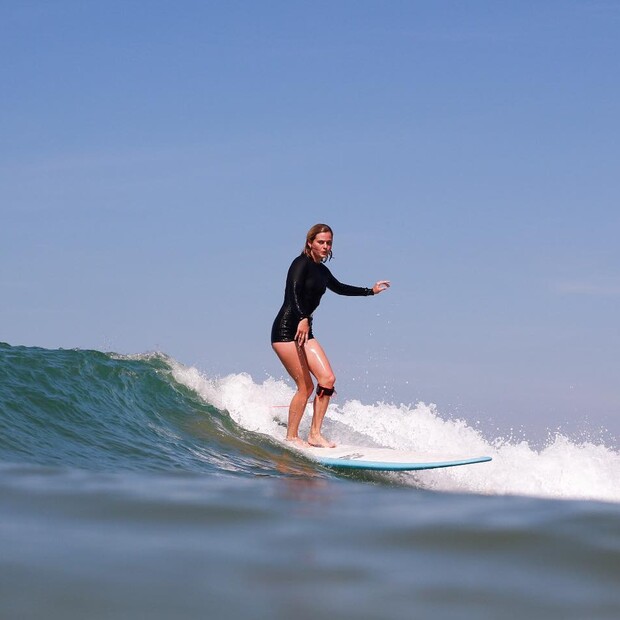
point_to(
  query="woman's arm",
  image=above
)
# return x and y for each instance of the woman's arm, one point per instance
(295, 281)
(355, 291)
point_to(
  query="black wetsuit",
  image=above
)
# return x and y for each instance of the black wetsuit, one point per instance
(306, 283)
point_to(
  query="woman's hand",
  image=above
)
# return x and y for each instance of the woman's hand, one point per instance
(381, 286)
(301, 337)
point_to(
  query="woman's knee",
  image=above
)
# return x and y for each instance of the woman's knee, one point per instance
(328, 380)
(305, 389)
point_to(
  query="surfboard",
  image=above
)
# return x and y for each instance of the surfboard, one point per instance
(385, 459)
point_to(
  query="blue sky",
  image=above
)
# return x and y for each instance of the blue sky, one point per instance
(161, 162)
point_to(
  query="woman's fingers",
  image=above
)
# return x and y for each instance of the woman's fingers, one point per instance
(302, 332)
(381, 286)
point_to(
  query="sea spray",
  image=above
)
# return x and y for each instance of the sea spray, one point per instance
(563, 469)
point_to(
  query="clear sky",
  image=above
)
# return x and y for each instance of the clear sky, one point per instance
(161, 162)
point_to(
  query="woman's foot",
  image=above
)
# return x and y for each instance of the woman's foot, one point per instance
(298, 441)
(318, 441)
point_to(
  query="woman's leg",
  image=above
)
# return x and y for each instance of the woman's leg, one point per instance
(294, 360)
(320, 367)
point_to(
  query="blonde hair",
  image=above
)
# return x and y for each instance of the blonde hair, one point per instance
(317, 229)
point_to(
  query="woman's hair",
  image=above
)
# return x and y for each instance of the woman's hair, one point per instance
(317, 229)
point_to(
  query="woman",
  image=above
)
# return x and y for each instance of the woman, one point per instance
(291, 334)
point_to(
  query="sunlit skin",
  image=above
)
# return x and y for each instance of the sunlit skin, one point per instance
(321, 247)
(306, 358)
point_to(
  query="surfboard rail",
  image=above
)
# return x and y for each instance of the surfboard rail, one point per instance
(385, 459)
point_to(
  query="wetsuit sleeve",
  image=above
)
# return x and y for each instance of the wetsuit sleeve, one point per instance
(295, 282)
(346, 289)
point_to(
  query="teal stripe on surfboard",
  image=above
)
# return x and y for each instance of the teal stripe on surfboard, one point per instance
(392, 466)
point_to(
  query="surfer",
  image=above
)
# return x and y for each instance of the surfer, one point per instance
(291, 334)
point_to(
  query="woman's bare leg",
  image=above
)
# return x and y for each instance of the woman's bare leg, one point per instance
(320, 367)
(294, 360)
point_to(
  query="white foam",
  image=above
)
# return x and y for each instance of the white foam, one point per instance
(563, 469)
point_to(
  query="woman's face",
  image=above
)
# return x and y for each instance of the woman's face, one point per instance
(321, 246)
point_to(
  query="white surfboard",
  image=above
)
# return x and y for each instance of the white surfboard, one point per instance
(385, 459)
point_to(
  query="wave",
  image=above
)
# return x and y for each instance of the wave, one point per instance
(102, 411)
(93, 410)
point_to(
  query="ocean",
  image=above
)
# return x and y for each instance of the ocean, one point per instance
(136, 487)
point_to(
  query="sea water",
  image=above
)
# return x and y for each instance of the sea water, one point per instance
(135, 487)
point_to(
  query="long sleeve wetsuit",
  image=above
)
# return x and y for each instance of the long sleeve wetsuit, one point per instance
(306, 282)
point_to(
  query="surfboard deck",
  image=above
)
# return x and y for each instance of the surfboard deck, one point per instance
(385, 459)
